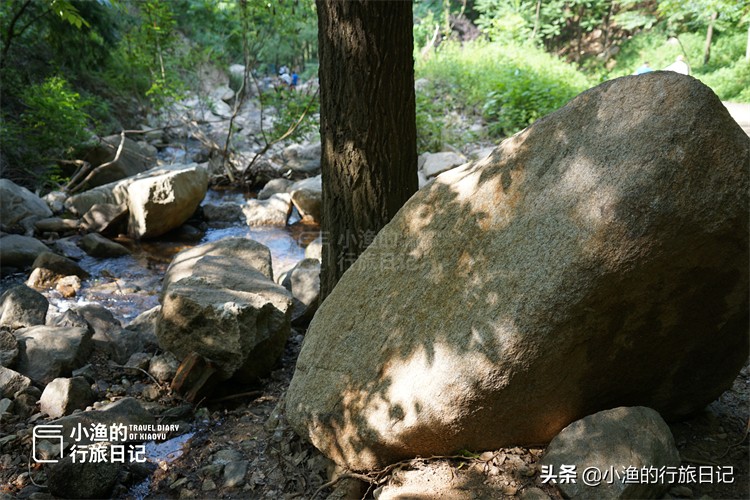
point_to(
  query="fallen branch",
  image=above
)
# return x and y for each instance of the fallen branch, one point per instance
(73, 188)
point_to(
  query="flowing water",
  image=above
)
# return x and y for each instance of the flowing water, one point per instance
(130, 285)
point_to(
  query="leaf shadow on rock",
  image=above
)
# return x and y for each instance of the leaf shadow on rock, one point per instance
(576, 269)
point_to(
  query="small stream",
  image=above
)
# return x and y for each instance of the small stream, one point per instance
(130, 285)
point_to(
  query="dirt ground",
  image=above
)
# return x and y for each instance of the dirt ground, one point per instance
(248, 425)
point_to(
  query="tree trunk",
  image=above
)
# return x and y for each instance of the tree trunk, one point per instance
(709, 36)
(747, 50)
(367, 124)
(536, 20)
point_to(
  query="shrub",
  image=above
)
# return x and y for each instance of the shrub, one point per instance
(509, 85)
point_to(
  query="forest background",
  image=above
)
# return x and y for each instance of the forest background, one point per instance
(72, 70)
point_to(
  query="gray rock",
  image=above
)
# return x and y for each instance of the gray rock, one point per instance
(303, 281)
(48, 352)
(133, 160)
(8, 349)
(229, 313)
(106, 218)
(98, 246)
(222, 212)
(109, 335)
(234, 474)
(274, 186)
(139, 360)
(56, 225)
(12, 382)
(88, 479)
(21, 306)
(225, 456)
(533, 493)
(163, 367)
(271, 212)
(437, 163)
(63, 395)
(19, 206)
(49, 268)
(143, 327)
(314, 249)
(619, 438)
(68, 247)
(249, 251)
(302, 158)
(19, 251)
(55, 200)
(164, 202)
(590, 241)
(6, 406)
(309, 203)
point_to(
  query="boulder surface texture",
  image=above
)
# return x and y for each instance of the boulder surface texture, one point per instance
(596, 259)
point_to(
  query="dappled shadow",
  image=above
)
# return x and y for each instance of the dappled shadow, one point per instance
(581, 267)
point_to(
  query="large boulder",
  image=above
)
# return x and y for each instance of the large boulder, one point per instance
(619, 440)
(596, 259)
(228, 312)
(19, 206)
(161, 203)
(133, 160)
(49, 268)
(273, 211)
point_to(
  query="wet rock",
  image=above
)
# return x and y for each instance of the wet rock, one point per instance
(56, 225)
(106, 218)
(620, 438)
(66, 479)
(63, 395)
(163, 202)
(19, 206)
(48, 352)
(8, 349)
(133, 160)
(185, 233)
(273, 211)
(229, 313)
(222, 212)
(437, 163)
(163, 367)
(20, 251)
(274, 186)
(582, 242)
(98, 246)
(21, 306)
(12, 382)
(49, 268)
(249, 251)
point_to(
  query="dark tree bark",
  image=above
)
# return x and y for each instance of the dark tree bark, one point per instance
(367, 124)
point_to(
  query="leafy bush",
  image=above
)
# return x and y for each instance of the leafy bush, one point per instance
(510, 85)
(52, 125)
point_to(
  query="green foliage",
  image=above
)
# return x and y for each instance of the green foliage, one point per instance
(53, 123)
(290, 105)
(510, 86)
(506, 21)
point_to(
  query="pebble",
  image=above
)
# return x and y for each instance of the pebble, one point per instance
(225, 456)
(178, 483)
(234, 474)
(208, 485)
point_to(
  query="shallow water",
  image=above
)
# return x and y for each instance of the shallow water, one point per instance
(131, 284)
